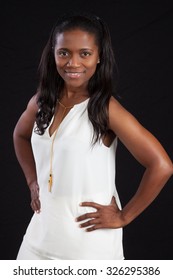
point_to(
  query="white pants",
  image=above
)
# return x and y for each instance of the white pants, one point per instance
(26, 254)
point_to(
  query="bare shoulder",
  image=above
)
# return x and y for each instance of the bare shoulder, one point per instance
(137, 139)
(113, 102)
(29, 113)
(26, 121)
(118, 115)
(32, 104)
(115, 107)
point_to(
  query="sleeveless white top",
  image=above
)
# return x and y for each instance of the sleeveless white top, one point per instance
(81, 172)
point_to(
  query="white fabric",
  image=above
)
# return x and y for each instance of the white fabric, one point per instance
(26, 253)
(81, 172)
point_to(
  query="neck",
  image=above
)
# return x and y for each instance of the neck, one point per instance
(77, 93)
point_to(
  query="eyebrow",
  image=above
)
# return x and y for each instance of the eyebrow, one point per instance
(83, 49)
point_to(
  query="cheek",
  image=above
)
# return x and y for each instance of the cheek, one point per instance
(59, 67)
(58, 62)
(91, 65)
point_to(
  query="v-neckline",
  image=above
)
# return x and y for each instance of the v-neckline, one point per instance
(64, 119)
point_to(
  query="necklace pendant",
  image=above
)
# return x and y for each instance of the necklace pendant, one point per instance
(50, 182)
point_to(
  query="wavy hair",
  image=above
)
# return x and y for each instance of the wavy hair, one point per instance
(100, 85)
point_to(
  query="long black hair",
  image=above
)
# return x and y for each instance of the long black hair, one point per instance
(100, 85)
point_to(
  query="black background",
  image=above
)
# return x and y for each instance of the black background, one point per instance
(142, 34)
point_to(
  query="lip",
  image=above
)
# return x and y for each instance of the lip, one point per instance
(73, 74)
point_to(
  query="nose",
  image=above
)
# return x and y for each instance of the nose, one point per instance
(74, 61)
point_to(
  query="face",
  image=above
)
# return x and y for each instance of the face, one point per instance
(76, 57)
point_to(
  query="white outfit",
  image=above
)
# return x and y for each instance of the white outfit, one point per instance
(81, 172)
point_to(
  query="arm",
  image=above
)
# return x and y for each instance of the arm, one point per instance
(150, 153)
(22, 145)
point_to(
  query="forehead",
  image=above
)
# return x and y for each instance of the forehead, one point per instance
(76, 37)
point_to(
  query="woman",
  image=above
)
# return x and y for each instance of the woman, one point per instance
(66, 141)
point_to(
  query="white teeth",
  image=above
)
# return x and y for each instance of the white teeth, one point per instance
(73, 74)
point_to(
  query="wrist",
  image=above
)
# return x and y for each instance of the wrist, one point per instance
(124, 220)
(120, 220)
(126, 217)
(32, 183)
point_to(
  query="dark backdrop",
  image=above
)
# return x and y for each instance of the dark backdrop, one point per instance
(142, 38)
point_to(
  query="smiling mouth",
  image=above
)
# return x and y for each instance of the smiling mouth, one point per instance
(74, 74)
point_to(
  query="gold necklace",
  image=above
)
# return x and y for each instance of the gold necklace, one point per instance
(50, 181)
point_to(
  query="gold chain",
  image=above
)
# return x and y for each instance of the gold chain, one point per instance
(50, 181)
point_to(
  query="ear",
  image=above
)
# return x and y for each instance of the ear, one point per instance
(98, 60)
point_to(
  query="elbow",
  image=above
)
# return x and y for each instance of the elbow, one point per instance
(170, 170)
(14, 135)
(21, 135)
(166, 168)
(162, 166)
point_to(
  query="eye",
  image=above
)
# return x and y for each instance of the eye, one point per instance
(62, 53)
(85, 54)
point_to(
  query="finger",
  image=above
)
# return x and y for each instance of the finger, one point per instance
(113, 201)
(38, 205)
(91, 204)
(35, 195)
(87, 216)
(95, 227)
(35, 205)
(90, 222)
